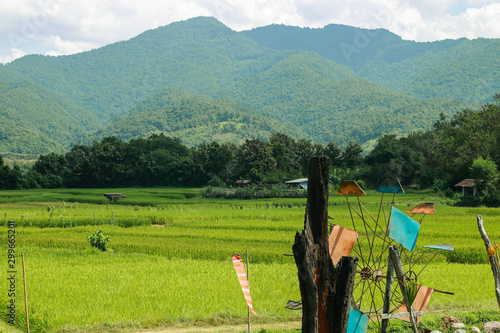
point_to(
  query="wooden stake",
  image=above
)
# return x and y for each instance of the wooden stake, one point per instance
(493, 259)
(25, 296)
(396, 261)
(248, 279)
(387, 295)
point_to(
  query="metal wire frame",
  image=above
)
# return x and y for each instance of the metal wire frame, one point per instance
(374, 230)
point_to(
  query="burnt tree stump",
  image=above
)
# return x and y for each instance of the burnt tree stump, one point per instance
(326, 290)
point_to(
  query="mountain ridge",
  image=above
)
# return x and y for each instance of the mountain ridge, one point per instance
(309, 93)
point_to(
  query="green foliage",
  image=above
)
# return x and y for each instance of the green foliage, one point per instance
(485, 171)
(98, 240)
(478, 318)
(467, 256)
(411, 290)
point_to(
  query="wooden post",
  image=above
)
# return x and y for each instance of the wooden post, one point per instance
(493, 259)
(396, 261)
(248, 279)
(326, 290)
(387, 295)
(25, 296)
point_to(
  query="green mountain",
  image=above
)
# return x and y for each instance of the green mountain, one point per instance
(199, 80)
(34, 119)
(462, 69)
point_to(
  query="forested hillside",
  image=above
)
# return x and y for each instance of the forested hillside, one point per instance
(466, 145)
(34, 119)
(232, 85)
(195, 120)
(462, 69)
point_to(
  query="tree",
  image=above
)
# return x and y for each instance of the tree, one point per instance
(351, 156)
(106, 167)
(305, 150)
(255, 159)
(284, 151)
(49, 170)
(333, 151)
(79, 168)
(485, 171)
(453, 145)
(10, 178)
(213, 160)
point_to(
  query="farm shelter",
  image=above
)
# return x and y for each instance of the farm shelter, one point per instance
(300, 183)
(113, 197)
(470, 183)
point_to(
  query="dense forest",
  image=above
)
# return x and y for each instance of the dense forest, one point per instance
(336, 83)
(467, 145)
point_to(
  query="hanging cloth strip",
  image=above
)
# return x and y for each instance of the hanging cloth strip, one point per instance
(242, 277)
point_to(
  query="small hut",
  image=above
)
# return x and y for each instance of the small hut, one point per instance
(300, 183)
(470, 183)
(113, 197)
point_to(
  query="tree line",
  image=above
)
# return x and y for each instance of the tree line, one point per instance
(465, 146)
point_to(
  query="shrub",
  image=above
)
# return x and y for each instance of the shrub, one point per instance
(98, 240)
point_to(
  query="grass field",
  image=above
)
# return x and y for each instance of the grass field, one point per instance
(170, 258)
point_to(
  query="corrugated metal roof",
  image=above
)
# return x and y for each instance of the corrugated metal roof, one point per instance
(467, 183)
(297, 181)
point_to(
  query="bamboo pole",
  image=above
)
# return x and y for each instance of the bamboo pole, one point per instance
(25, 296)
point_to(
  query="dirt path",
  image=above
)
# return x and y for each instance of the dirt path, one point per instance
(227, 328)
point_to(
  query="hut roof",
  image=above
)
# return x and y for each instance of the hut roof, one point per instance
(114, 195)
(297, 181)
(467, 183)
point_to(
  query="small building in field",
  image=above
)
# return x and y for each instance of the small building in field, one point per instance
(113, 197)
(469, 183)
(300, 183)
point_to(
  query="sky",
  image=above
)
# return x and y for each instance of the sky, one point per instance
(61, 27)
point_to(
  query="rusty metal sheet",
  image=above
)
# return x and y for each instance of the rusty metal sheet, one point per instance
(357, 322)
(294, 305)
(423, 208)
(341, 242)
(390, 186)
(445, 247)
(420, 304)
(350, 187)
(403, 229)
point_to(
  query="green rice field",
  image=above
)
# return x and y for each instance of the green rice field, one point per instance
(169, 261)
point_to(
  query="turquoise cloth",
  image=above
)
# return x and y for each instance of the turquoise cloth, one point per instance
(403, 229)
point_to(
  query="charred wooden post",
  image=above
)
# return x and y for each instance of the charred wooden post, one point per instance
(491, 255)
(326, 290)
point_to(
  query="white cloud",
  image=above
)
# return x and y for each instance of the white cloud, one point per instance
(65, 27)
(57, 46)
(11, 54)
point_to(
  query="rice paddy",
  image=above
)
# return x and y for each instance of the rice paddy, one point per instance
(170, 257)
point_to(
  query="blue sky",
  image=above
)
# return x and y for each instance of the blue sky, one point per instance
(60, 27)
